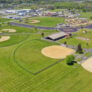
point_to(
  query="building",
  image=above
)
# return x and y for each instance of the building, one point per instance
(11, 11)
(56, 36)
(18, 11)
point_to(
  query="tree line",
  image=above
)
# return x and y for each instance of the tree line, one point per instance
(51, 4)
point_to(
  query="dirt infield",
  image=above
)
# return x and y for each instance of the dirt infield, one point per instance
(4, 38)
(35, 21)
(57, 52)
(8, 30)
(87, 65)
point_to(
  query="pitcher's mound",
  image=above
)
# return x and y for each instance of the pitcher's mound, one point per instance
(35, 21)
(57, 52)
(87, 64)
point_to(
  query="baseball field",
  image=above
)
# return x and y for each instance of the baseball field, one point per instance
(23, 67)
(43, 21)
(29, 63)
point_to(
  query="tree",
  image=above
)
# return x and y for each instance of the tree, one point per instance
(20, 20)
(8, 23)
(0, 25)
(70, 35)
(70, 59)
(91, 17)
(42, 34)
(65, 43)
(79, 49)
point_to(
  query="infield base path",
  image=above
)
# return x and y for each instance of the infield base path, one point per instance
(57, 52)
(87, 64)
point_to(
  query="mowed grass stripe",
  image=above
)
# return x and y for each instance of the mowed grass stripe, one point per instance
(45, 21)
(60, 77)
(47, 80)
(36, 81)
(25, 56)
(31, 80)
(44, 81)
(55, 82)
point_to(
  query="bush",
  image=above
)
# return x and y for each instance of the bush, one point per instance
(91, 17)
(70, 59)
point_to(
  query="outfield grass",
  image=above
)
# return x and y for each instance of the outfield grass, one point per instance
(86, 14)
(46, 21)
(14, 38)
(29, 55)
(74, 41)
(4, 20)
(60, 77)
(57, 10)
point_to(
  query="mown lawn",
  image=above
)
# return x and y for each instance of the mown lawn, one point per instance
(74, 41)
(56, 10)
(29, 55)
(46, 21)
(14, 39)
(4, 20)
(86, 14)
(59, 78)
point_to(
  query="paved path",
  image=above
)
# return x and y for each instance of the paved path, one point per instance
(83, 56)
(32, 26)
(88, 26)
(67, 29)
(46, 28)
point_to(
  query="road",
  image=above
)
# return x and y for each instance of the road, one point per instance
(67, 29)
(46, 28)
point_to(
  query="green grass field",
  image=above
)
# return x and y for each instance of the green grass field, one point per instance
(56, 10)
(25, 49)
(46, 21)
(14, 38)
(29, 55)
(86, 14)
(74, 41)
(4, 20)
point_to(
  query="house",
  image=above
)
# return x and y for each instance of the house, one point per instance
(11, 11)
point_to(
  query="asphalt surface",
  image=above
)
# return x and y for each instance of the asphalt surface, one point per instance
(32, 26)
(68, 29)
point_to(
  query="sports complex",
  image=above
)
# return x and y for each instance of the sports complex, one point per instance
(29, 62)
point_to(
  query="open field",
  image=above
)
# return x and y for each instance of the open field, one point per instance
(45, 21)
(56, 10)
(74, 41)
(23, 68)
(29, 55)
(37, 55)
(58, 77)
(4, 20)
(14, 38)
(86, 14)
